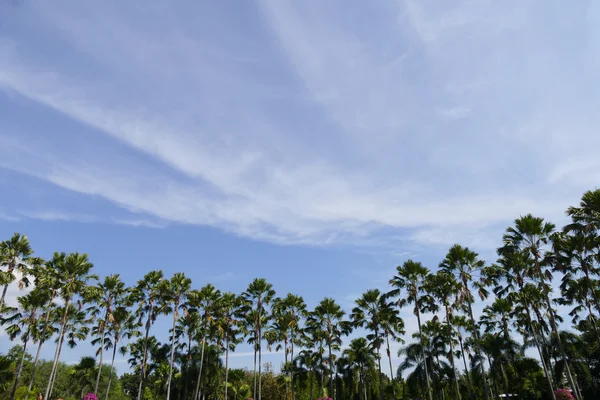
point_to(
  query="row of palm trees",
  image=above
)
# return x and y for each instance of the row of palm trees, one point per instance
(70, 303)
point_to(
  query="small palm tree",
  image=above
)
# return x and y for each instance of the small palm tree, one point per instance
(83, 373)
(24, 321)
(361, 357)
(122, 325)
(15, 256)
(175, 294)
(229, 323)
(104, 296)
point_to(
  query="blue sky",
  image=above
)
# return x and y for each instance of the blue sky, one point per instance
(317, 143)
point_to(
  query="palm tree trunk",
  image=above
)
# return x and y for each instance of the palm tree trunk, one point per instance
(486, 388)
(285, 351)
(451, 341)
(101, 356)
(187, 368)
(172, 357)
(493, 378)
(389, 354)
(112, 368)
(3, 296)
(379, 365)
(330, 371)
(197, 392)
(539, 348)
(57, 352)
(561, 348)
(145, 357)
(310, 378)
(462, 350)
(226, 364)
(35, 363)
(418, 312)
(254, 372)
(54, 377)
(292, 366)
(19, 370)
(259, 363)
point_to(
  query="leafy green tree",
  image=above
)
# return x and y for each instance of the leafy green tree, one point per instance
(229, 323)
(16, 255)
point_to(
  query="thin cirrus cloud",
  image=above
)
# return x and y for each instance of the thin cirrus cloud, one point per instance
(303, 122)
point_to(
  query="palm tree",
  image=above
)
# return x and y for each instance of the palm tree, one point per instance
(370, 312)
(531, 235)
(393, 326)
(295, 307)
(259, 295)
(73, 273)
(361, 357)
(47, 280)
(328, 316)
(24, 322)
(83, 373)
(175, 294)
(188, 327)
(122, 325)
(149, 297)
(444, 288)
(104, 295)
(229, 321)
(205, 302)
(15, 255)
(463, 263)
(408, 286)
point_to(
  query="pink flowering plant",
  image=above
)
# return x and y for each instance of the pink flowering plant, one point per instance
(563, 394)
(90, 396)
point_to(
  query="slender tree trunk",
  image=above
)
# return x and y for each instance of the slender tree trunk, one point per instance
(187, 368)
(418, 312)
(19, 369)
(285, 351)
(197, 393)
(486, 388)
(561, 348)
(451, 341)
(467, 374)
(540, 351)
(379, 365)
(172, 357)
(57, 352)
(330, 371)
(101, 353)
(255, 380)
(10, 270)
(292, 366)
(145, 358)
(259, 363)
(112, 369)
(54, 378)
(226, 363)
(389, 354)
(493, 378)
(35, 363)
(311, 383)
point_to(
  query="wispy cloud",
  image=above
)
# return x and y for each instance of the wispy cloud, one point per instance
(437, 125)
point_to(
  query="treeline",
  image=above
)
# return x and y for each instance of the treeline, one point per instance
(454, 353)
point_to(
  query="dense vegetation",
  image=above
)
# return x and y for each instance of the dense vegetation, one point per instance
(454, 354)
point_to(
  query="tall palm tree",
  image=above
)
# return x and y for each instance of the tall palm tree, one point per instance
(229, 322)
(328, 315)
(122, 325)
(104, 296)
(259, 295)
(393, 327)
(175, 294)
(83, 372)
(463, 264)
(205, 302)
(370, 312)
(149, 296)
(531, 235)
(74, 274)
(15, 256)
(24, 321)
(444, 288)
(408, 287)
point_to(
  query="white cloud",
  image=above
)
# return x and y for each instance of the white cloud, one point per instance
(438, 125)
